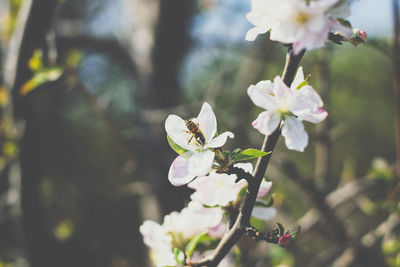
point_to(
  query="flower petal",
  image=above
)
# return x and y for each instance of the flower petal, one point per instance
(281, 90)
(178, 132)
(261, 95)
(179, 171)
(264, 213)
(252, 34)
(267, 122)
(264, 189)
(296, 137)
(220, 140)
(315, 117)
(207, 122)
(200, 163)
(246, 166)
(298, 79)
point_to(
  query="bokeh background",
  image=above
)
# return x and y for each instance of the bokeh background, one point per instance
(85, 88)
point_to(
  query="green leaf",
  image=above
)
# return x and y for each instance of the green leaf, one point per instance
(250, 153)
(295, 232)
(178, 149)
(344, 22)
(179, 256)
(190, 247)
(41, 77)
(304, 83)
(235, 152)
(281, 229)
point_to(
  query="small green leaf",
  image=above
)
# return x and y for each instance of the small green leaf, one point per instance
(304, 83)
(250, 153)
(280, 228)
(344, 22)
(295, 232)
(179, 256)
(235, 152)
(178, 149)
(191, 246)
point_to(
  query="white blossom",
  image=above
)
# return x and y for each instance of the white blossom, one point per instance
(306, 24)
(199, 158)
(293, 105)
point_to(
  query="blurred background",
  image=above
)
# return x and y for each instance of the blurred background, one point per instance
(85, 88)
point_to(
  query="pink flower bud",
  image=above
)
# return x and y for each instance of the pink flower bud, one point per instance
(363, 35)
(285, 239)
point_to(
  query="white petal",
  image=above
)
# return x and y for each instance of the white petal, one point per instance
(252, 34)
(207, 122)
(281, 90)
(200, 163)
(315, 117)
(264, 213)
(179, 171)
(247, 166)
(298, 79)
(220, 140)
(264, 189)
(267, 122)
(296, 137)
(178, 132)
(261, 95)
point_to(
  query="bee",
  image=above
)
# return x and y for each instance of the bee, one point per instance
(194, 130)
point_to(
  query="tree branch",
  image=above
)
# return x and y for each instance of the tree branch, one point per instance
(243, 219)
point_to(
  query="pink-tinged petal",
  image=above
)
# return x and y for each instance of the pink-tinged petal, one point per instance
(261, 95)
(298, 79)
(218, 231)
(267, 122)
(207, 122)
(178, 132)
(264, 213)
(179, 171)
(296, 137)
(220, 140)
(200, 163)
(281, 91)
(315, 117)
(265, 187)
(252, 34)
(298, 47)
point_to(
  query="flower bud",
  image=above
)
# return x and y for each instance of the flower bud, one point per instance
(285, 240)
(360, 33)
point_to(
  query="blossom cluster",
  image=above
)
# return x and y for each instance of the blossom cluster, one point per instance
(304, 23)
(214, 193)
(202, 164)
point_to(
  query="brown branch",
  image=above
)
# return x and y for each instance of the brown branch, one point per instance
(243, 219)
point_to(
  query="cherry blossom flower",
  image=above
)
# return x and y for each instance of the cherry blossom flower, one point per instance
(216, 189)
(293, 105)
(192, 220)
(306, 24)
(198, 143)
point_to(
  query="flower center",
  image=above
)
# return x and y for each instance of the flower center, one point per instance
(302, 18)
(283, 110)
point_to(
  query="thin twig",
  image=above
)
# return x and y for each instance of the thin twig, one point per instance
(243, 219)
